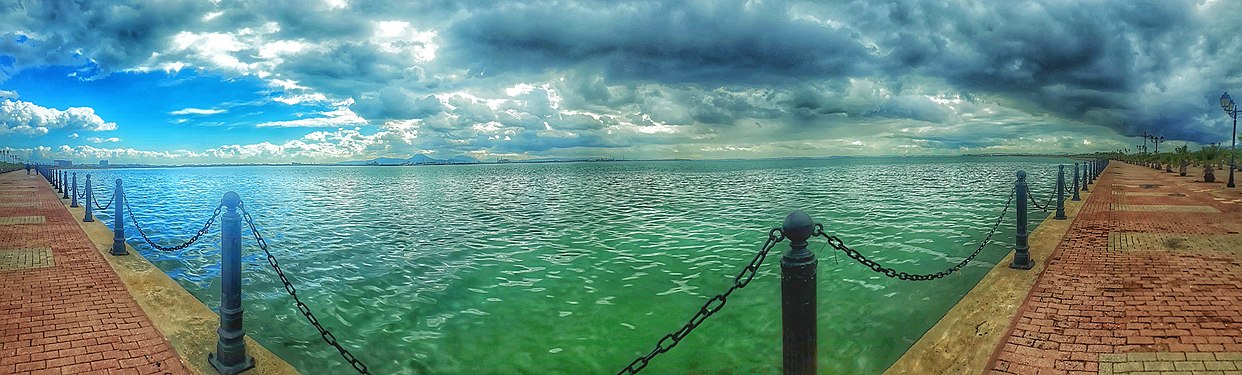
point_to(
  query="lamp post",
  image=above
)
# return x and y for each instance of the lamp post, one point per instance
(1156, 141)
(1231, 109)
(1145, 138)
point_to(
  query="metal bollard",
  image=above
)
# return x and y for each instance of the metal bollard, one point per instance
(798, 307)
(118, 222)
(1075, 198)
(74, 202)
(1060, 193)
(1091, 176)
(90, 196)
(64, 184)
(1085, 173)
(1021, 252)
(230, 356)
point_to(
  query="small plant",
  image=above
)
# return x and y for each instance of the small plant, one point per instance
(1209, 155)
(1183, 157)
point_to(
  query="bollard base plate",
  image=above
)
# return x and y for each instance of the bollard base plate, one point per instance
(1016, 264)
(118, 250)
(230, 370)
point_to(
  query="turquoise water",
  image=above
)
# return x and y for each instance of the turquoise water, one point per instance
(581, 267)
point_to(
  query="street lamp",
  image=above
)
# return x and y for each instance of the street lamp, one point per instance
(1231, 109)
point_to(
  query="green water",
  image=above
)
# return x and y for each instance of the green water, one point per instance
(580, 267)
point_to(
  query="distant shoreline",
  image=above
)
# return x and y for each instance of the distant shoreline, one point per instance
(547, 161)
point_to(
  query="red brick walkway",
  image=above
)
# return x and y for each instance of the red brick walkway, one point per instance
(1152, 265)
(66, 313)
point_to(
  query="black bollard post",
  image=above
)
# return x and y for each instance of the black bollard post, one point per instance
(1075, 198)
(118, 222)
(1091, 176)
(1021, 252)
(230, 356)
(90, 196)
(74, 196)
(1086, 173)
(64, 184)
(1060, 193)
(798, 306)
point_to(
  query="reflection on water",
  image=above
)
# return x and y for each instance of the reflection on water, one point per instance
(581, 267)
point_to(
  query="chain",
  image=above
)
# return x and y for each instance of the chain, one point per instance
(836, 243)
(305, 310)
(104, 208)
(712, 306)
(191, 241)
(1036, 204)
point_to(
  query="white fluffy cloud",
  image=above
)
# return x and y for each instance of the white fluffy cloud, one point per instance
(103, 140)
(197, 111)
(22, 117)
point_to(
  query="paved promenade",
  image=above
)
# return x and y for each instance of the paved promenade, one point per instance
(63, 309)
(1148, 279)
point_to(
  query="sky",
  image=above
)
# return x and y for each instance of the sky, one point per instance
(181, 82)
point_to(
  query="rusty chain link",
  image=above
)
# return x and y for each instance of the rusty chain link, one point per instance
(838, 244)
(206, 228)
(305, 310)
(710, 307)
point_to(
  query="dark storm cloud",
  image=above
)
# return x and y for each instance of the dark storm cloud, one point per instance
(1085, 61)
(113, 35)
(725, 41)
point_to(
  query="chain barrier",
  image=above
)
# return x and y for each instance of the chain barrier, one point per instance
(836, 243)
(712, 306)
(305, 310)
(206, 227)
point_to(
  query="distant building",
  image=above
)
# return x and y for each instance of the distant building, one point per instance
(62, 163)
(103, 163)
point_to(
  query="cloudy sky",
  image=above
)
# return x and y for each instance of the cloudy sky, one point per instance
(173, 82)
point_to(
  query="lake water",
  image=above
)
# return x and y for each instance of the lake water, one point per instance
(581, 267)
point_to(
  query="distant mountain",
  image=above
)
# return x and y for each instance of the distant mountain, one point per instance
(417, 159)
(423, 159)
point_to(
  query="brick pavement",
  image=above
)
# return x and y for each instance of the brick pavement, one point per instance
(69, 314)
(1147, 280)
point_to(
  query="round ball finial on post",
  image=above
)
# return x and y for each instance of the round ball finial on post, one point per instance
(230, 199)
(798, 226)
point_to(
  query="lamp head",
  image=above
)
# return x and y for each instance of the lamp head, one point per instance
(1226, 103)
